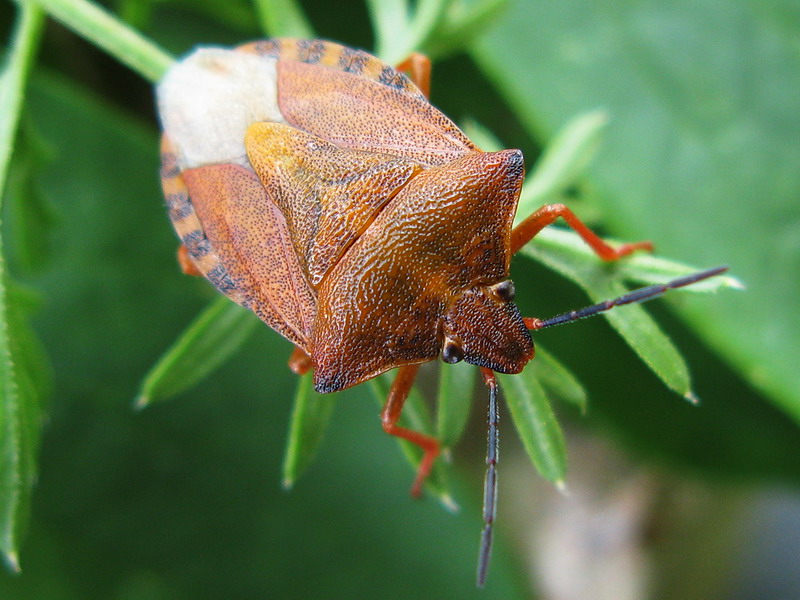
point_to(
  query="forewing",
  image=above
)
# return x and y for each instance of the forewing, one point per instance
(448, 230)
(249, 235)
(328, 195)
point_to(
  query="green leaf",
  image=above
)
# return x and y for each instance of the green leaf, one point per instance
(485, 139)
(401, 30)
(32, 362)
(563, 161)
(390, 21)
(19, 400)
(691, 159)
(640, 331)
(415, 416)
(462, 23)
(310, 417)
(32, 217)
(536, 424)
(206, 344)
(19, 433)
(454, 401)
(557, 379)
(284, 18)
(641, 267)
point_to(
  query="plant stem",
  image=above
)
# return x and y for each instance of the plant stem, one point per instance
(111, 34)
(12, 83)
(283, 18)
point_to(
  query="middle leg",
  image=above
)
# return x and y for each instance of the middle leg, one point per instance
(390, 415)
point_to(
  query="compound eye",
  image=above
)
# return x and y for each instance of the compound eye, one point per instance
(452, 352)
(504, 290)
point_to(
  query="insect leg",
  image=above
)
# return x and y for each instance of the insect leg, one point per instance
(299, 361)
(391, 414)
(186, 264)
(527, 230)
(418, 67)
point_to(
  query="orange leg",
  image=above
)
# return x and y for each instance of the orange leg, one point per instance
(418, 67)
(391, 414)
(299, 361)
(187, 266)
(527, 230)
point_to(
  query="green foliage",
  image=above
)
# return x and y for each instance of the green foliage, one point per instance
(310, 418)
(20, 379)
(206, 344)
(179, 501)
(701, 152)
(536, 423)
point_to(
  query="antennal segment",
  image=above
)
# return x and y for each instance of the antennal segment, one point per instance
(490, 482)
(639, 295)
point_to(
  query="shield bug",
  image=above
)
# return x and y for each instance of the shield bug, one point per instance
(317, 186)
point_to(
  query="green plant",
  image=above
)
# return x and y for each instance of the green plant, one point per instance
(438, 27)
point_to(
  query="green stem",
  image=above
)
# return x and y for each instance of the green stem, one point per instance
(283, 18)
(428, 21)
(109, 33)
(12, 83)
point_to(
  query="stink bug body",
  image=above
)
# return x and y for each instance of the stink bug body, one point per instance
(318, 187)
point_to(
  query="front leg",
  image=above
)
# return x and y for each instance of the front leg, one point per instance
(527, 230)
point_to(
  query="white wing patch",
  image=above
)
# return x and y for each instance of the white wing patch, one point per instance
(208, 99)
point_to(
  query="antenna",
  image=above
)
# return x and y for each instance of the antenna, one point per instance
(490, 481)
(639, 295)
(493, 416)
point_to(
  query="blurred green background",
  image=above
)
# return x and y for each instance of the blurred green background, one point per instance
(183, 499)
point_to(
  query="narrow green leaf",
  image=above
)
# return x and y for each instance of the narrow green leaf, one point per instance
(31, 216)
(427, 23)
(31, 361)
(284, 18)
(481, 136)
(389, 21)
(111, 34)
(19, 432)
(416, 417)
(19, 403)
(400, 31)
(557, 379)
(602, 282)
(462, 24)
(456, 386)
(536, 424)
(310, 417)
(207, 343)
(640, 267)
(563, 161)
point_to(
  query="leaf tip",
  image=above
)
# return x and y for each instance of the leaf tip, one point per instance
(561, 486)
(692, 398)
(595, 119)
(287, 483)
(734, 283)
(140, 402)
(447, 455)
(12, 561)
(449, 504)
